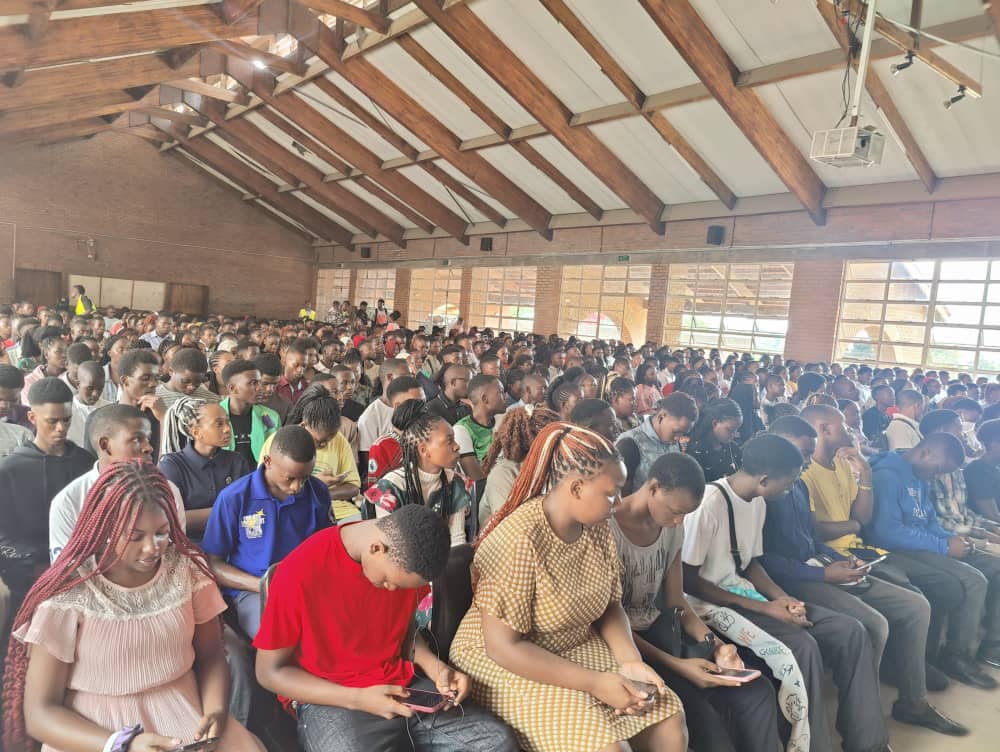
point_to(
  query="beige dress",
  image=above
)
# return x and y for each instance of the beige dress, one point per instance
(132, 651)
(552, 592)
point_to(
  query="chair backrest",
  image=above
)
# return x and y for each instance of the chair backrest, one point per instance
(452, 598)
(265, 586)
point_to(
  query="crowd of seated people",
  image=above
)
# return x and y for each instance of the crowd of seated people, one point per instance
(210, 521)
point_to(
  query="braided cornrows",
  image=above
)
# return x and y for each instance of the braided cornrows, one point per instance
(414, 433)
(109, 512)
(178, 422)
(560, 449)
(518, 429)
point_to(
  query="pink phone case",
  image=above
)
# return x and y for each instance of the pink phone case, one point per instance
(749, 677)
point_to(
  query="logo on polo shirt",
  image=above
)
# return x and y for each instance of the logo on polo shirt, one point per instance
(253, 524)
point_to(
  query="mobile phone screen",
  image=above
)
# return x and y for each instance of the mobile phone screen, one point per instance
(203, 744)
(741, 675)
(425, 701)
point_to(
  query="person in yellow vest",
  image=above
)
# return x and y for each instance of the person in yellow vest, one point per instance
(84, 305)
(307, 311)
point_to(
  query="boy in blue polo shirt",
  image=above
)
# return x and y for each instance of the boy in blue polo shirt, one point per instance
(260, 518)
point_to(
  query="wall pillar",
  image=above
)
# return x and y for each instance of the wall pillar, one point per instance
(548, 299)
(465, 295)
(401, 295)
(813, 309)
(657, 306)
(352, 287)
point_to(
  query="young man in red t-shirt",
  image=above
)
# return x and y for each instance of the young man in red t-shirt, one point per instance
(333, 635)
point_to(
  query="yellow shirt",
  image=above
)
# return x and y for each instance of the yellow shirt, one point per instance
(335, 458)
(831, 495)
(307, 313)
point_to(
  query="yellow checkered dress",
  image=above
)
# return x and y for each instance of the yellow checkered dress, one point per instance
(552, 592)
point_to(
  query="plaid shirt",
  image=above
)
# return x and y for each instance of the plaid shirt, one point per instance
(951, 503)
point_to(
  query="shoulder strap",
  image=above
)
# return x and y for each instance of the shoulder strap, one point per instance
(734, 547)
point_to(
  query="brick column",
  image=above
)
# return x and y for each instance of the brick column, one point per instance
(657, 308)
(813, 309)
(548, 293)
(401, 295)
(352, 286)
(465, 295)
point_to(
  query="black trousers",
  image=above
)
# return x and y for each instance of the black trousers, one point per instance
(748, 713)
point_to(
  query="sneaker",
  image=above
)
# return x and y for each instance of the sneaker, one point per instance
(966, 671)
(989, 653)
(928, 717)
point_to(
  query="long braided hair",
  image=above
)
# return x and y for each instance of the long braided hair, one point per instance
(178, 422)
(560, 449)
(519, 428)
(110, 511)
(413, 433)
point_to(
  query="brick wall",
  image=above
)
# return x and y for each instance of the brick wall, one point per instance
(465, 299)
(402, 295)
(812, 310)
(548, 287)
(657, 308)
(154, 218)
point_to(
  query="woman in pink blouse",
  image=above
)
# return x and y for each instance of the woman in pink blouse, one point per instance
(118, 646)
(647, 389)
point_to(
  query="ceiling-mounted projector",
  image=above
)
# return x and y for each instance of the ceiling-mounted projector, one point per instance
(848, 147)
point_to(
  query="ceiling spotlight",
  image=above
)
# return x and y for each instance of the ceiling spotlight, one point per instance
(259, 64)
(898, 68)
(949, 103)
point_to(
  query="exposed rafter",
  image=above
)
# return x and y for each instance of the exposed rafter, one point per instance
(340, 200)
(478, 41)
(461, 190)
(118, 34)
(252, 54)
(70, 110)
(690, 155)
(207, 90)
(350, 12)
(401, 106)
(548, 169)
(992, 8)
(883, 100)
(233, 11)
(693, 40)
(376, 190)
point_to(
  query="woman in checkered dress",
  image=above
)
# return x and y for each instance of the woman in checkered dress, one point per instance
(547, 643)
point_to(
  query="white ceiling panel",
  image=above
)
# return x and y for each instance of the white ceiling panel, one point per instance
(369, 198)
(267, 207)
(811, 103)
(218, 141)
(338, 113)
(722, 144)
(625, 30)
(760, 32)
(550, 52)
(335, 113)
(438, 191)
(446, 52)
(550, 148)
(531, 179)
(276, 134)
(935, 12)
(964, 139)
(325, 211)
(432, 95)
(194, 160)
(644, 151)
(474, 187)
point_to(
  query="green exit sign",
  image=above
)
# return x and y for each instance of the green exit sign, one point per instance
(624, 259)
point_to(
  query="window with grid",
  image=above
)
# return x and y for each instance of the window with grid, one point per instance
(933, 313)
(374, 284)
(434, 297)
(728, 306)
(605, 302)
(331, 285)
(503, 298)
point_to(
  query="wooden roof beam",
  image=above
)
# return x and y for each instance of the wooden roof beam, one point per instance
(198, 86)
(478, 41)
(61, 132)
(304, 139)
(233, 11)
(109, 103)
(376, 190)
(634, 96)
(164, 113)
(691, 37)
(456, 186)
(883, 100)
(992, 8)
(401, 106)
(356, 211)
(254, 183)
(550, 171)
(118, 34)
(311, 120)
(251, 54)
(349, 12)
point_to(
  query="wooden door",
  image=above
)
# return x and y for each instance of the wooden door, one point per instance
(38, 287)
(187, 298)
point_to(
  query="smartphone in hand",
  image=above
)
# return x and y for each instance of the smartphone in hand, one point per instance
(741, 676)
(426, 701)
(201, 744)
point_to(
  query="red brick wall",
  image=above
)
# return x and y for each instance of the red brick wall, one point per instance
(154, 218)
(812, 310)
(657, 308)
(548, 286)
(402, 295)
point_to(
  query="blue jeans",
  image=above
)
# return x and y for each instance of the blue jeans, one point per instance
(323, 728)
(248, 612)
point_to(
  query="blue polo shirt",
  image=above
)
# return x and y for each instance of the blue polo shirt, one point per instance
(252, 530)
(201, 479)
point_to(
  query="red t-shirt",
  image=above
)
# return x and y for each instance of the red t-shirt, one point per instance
(343, 628)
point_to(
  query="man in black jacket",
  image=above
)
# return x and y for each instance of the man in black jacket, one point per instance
(29, 478)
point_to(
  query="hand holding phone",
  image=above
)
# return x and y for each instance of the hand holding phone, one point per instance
(869, 564)
(740, 676)
(426, 701)
(201, 744)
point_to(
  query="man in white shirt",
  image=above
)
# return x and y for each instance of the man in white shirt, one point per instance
(117, 432)
(904, 428)
(723, 540)
(86, 399)
(376, 420)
